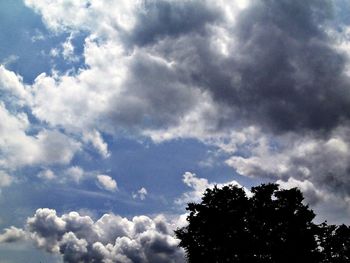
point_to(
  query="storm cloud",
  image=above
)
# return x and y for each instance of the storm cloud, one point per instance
(280, 68)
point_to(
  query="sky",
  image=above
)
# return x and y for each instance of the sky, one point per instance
(115, 114)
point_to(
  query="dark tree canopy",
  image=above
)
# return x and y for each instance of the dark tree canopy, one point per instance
(335, 243)
(272, 225)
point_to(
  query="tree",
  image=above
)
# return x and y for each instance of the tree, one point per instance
(335, 243)
(271, 225)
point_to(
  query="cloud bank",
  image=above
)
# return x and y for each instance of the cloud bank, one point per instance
(109, 239)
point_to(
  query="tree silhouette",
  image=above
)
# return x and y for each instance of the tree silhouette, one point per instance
(270, 225)
(335, 243)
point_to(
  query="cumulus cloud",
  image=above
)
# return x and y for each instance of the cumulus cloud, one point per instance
(19, 145)
(318, 166)
(199, 185)
(321, 160)
(19, 149)
(47, 174)
(126, 95)
(109, 239)
(74, 173)
(97, 142)
(140, 22)
(286, 91)
(310, 192)
(68, 50)
(12, 234)
(329, 205)
(12, 85)
(141, 194)
(106, 182)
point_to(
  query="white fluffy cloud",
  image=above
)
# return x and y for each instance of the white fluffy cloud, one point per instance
(199, 185)
(20, 145)
(19, 148)
(109, 239)
(12, 85)
(141, 194)
(100, 17)
(106, 182)
(12, 234)
(68, 50)
(97, 142)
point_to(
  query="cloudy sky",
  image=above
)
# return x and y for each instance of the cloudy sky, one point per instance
(115, 114)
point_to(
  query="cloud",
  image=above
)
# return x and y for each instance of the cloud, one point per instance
(82, 15)
(71, 174)
(12, 85)
(310, 192)
(47, 174)
(109, 239)
(171, 19)
(5, 179)
(198, 185)
(20, 149)
(126, 95)
(141, 22)
(106, 182)
(318, 166)
(329, 205)
(277, 71)
(64, 145)
(12, 234)
(97, 142)
(68, 50)
(75, 173)
(256, 85)
(200, 52)
(21, 144)
(321, 160)
(141, 194)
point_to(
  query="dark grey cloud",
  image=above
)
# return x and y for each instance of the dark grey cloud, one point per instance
(291, 77)
(155, 96)
(160, 19)
(282, 72)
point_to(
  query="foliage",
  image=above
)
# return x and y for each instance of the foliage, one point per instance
(271, 225)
